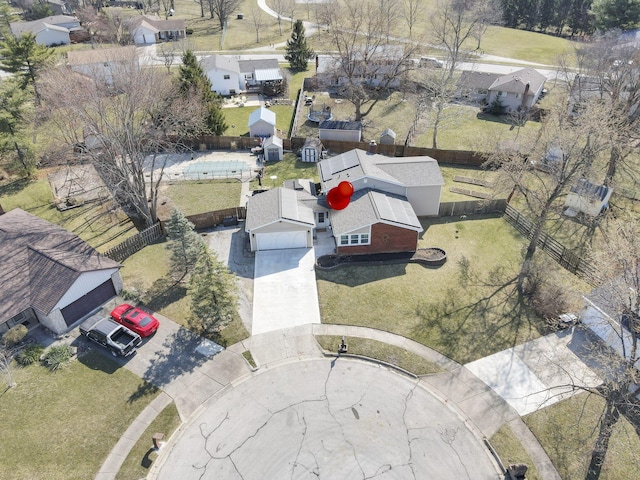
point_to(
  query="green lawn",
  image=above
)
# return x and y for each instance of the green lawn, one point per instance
(568, 430)
(237, 119)
(193, 197)
(141, 457)
(147, 272)
(91, 222)
(463, 320)
(62, 425)
(380, 351)
(289, 168)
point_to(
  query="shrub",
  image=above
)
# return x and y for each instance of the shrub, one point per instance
(14, 335)
(57, 357)
(29, 355)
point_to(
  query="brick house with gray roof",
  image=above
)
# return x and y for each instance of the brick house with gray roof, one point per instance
(50, 276)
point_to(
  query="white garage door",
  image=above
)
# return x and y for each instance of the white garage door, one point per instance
(281, 240)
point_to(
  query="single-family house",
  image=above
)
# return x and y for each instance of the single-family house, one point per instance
(588, 198)
(104, 64)
(50, 276)
(517, 91)
(272, 148)
(276, 220)
(388, 137)
(474, 86)
(262, 123)
(148, 29)
(343, 131)
(224, 74)
(263, 74)
(373, 66)
(311, 150)
(48, 31)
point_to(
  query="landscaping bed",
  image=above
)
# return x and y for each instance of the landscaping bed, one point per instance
(429, 257)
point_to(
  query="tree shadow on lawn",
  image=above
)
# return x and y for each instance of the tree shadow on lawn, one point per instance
(164, 292)
(479, 322)
(354, 276)
(14, 187)
(429, 222)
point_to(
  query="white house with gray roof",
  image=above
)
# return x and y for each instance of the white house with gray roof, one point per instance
(518, 90)
(48, 31)
(230, 76)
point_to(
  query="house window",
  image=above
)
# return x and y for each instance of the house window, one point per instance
(502, 94)
(355, 239)
(227, 77)
(518, 95)
(344, 239)
(232, 91)
(320, 217)
(364, 238)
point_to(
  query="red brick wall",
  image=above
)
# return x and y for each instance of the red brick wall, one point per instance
(384, 239)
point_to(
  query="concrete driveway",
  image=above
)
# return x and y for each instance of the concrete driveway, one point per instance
(284, 290)
(327, 419)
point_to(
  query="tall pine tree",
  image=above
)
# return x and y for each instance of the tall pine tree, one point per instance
(298, 53)
(193, 80)
(184, 245)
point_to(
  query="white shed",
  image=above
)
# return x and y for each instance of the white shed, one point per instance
(272, 149)
(340, 130)
(388, 137)
(262, 123)
(588, 198)
(312, 150)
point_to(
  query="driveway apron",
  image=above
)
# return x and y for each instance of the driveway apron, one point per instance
(284, 290)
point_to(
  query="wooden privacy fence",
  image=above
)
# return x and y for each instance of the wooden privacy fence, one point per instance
(212, 219)
(565, 257)
(471, 207)
(135, 243)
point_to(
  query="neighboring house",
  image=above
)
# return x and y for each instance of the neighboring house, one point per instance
(474, 86)
(50, 276)
(388, 137)
(277, 220)
(102, 64)
(518, 90)
(340, 130)
(272, 147)
(311, 150)
(375, 66)
(230, 76)
(588, 198)
(146, 29)
(48, 31)
(262, 123)
(224, 74)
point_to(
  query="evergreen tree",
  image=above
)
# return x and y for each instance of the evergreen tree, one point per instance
(24, 57)
(184, 245)
(15, 109)
(213, 293)
(193, 81)
(622, 14)
(297, 50)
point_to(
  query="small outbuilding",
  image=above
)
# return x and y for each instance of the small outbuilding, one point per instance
(312, 150)
(262, 123)
(272, 147)
(340, 130)
(388, 137)
(585, 197)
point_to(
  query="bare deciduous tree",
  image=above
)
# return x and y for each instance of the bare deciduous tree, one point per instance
(132, 117)
(223, 9)
(258, 20)
(365, 67)
(412, 13)
(168, 51)
(280, 7)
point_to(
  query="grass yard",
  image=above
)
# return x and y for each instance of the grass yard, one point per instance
(147, 271)
(193, 197)
(92, 222)
(511, 451)
(381, 351)
(462, 319)
(141, 457)
(62, 425)
(568, 430)
(237, 119)
(289, 168)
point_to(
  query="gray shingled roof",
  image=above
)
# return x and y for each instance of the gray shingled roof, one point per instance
(159, 24)
(39, 261)
(248, 66)
(340, 125)
(477, 80)
(517, 82)
(275, 205)
(55, 22)
(219, 62)
(368, 207)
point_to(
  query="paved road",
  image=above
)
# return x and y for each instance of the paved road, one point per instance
(328, 419)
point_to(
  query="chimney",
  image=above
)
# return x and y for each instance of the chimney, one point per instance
(524, 96)
(373, 148)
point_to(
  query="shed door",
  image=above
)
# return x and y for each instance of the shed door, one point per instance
(281, 240)
(272, 155)
(96, 297)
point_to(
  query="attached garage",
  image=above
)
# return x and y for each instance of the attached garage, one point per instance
(281, 240)
(96, 297)
(277, 220)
